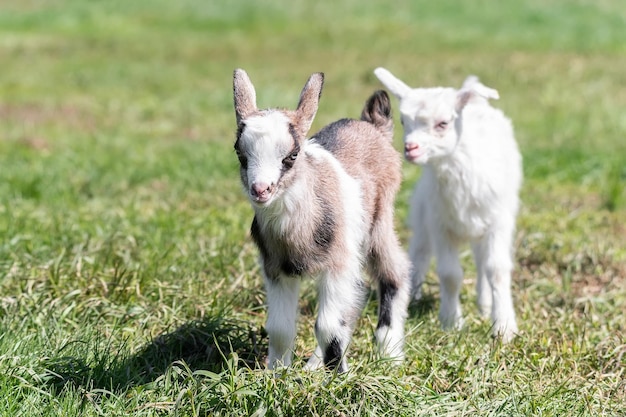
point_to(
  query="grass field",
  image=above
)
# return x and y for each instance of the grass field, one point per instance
(128, 281)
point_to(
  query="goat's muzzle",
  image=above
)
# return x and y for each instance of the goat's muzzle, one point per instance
(261, 192)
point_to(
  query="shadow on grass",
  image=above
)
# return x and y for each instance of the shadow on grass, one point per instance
(423, 306)
(202, 344)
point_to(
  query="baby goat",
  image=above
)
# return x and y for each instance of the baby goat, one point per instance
(468, 192)
(323, 207)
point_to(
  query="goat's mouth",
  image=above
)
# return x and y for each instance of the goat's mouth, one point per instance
(261, 200)
(416, 156)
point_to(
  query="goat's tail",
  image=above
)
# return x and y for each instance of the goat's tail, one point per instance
(377, 111)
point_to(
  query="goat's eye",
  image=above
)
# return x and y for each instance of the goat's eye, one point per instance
(242, 159)
(441, 125)
(290, 159)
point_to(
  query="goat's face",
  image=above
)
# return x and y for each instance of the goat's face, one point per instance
(268, 148)
(269, 141)
(430, 116)
(429, 120)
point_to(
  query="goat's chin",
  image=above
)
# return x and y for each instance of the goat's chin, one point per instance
(266, 202)
(421, 159)
(262, 203)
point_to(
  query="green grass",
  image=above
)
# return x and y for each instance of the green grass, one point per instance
(129, 284)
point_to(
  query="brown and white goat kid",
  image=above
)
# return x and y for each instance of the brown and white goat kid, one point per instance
(323, 208)
(472, 173)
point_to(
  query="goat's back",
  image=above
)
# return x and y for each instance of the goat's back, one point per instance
(357, 145)
(363, 146)
(489, 142)
(367, 154)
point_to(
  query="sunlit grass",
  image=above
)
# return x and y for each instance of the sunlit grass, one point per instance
(129, 284)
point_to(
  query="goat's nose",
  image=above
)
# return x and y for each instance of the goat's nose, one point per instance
(410, 146)
(259, 189)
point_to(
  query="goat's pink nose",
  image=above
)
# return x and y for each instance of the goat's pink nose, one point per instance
(411, 146)
(259, 189)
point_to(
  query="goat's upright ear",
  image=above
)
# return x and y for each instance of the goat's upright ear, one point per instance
(243, 94)
(397, 87)
(472, 88)
(309, 102)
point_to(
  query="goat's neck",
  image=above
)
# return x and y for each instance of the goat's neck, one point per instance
(453, 173)
(454, 163)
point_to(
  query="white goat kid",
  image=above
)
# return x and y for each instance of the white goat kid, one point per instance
(324, 208)
(468, 192)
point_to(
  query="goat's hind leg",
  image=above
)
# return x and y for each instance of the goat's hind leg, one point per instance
(341, 300)
(390, 267)
(497, 258)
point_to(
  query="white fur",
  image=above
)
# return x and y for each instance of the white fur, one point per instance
(266, 138)
(390, 339)
(468, 192)
(282, 310)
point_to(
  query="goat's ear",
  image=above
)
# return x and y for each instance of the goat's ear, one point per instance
(243, 94)
(309, 101)
(397, 87)
(471, 88)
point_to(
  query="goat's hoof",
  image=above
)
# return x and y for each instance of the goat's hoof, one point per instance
(505, 333)
(451, 323)
(484, 310)
(314, 363)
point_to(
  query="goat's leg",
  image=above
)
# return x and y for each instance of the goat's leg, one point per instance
(450, 281)
(282, 308)
(496, 254)
(483, 287)
(420, 254)
(390, 267)
(420, 251)
(341, 299)
(316, 361)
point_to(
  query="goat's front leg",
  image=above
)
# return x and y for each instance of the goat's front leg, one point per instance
(450, 282)
(420, 253)
(484, 297)
(282, 309)
(419, 246)
(341, 298)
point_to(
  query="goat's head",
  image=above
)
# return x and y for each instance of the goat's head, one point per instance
(269, 142)
(430, 116)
